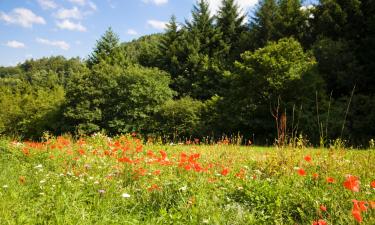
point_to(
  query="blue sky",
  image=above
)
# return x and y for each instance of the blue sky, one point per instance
(38, 28)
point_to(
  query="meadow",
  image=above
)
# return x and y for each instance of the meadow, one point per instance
(102, 180)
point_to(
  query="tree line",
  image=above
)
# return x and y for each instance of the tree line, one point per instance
(287, 72)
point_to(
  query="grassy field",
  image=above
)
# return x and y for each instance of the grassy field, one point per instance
(99, 180)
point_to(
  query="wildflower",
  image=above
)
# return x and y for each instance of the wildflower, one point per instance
(125, 195)
(357, 215)
(101, 191)
(153, 187)
(5, 186)
(315, 176)
(330, 180)
(39, 166)
(372, 204)
(362, 205)
(323, 208)
(301, 172)
(163, 154)
(307, 158)
(184, 188)
(352, 183)
(241, 174)
(372, 184)
(81, 152)
(319, 222)
(224, 172)
(156, 172)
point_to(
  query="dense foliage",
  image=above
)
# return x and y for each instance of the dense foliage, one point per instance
(288, 71)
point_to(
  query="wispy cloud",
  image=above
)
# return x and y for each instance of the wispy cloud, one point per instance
(60, 44)
(22, 17)
(156, 2)
(73, 13)
(47, 4)
(15, 44)
(157, 24)
(90, 4)
(78, 2)
(132, 32)
(69, 25)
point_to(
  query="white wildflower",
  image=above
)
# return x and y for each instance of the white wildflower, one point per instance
(125, 195)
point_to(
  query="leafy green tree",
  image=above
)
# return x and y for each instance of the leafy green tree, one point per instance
(280, 70)
(115, 99)
(138, 96)
(180, 118)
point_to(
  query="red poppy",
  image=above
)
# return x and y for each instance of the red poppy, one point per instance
(319, 222)
(315, 176)
(362, 205)
(357, 215)
(307, 158)
(323, 208)
(372, 184)
(352, 183)
(163, 154)
(125, 159)
(301, 172)
(241, 173)
(153, 187)
(224, 172)
(156, 172)
(81, 151)
(330, 180)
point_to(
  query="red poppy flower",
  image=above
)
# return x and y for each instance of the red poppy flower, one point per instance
(163, 154)
(224, 172)
(352, 183)
(372, 184)
(156, 172)
(330, 180)
(307, 158)
(357, 215)
(362, 205)
(315, 176)
(319, 222)
(323, 208)
(301, 172)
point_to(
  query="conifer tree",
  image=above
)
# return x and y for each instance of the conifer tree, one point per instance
(230, 22)
(107, 50)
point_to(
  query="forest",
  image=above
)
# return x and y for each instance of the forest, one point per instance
(284, 73)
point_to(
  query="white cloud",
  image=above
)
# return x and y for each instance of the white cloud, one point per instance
(132, 32)
(243, 4)
(73, 13)
(78, 2)
(156, 24)
(91, 4)
(60, 44)
(47, 4)
(156, 2)
(23, 17)
(69, 25)
(15, 44)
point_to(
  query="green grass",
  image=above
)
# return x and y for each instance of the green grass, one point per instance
(65, 182)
